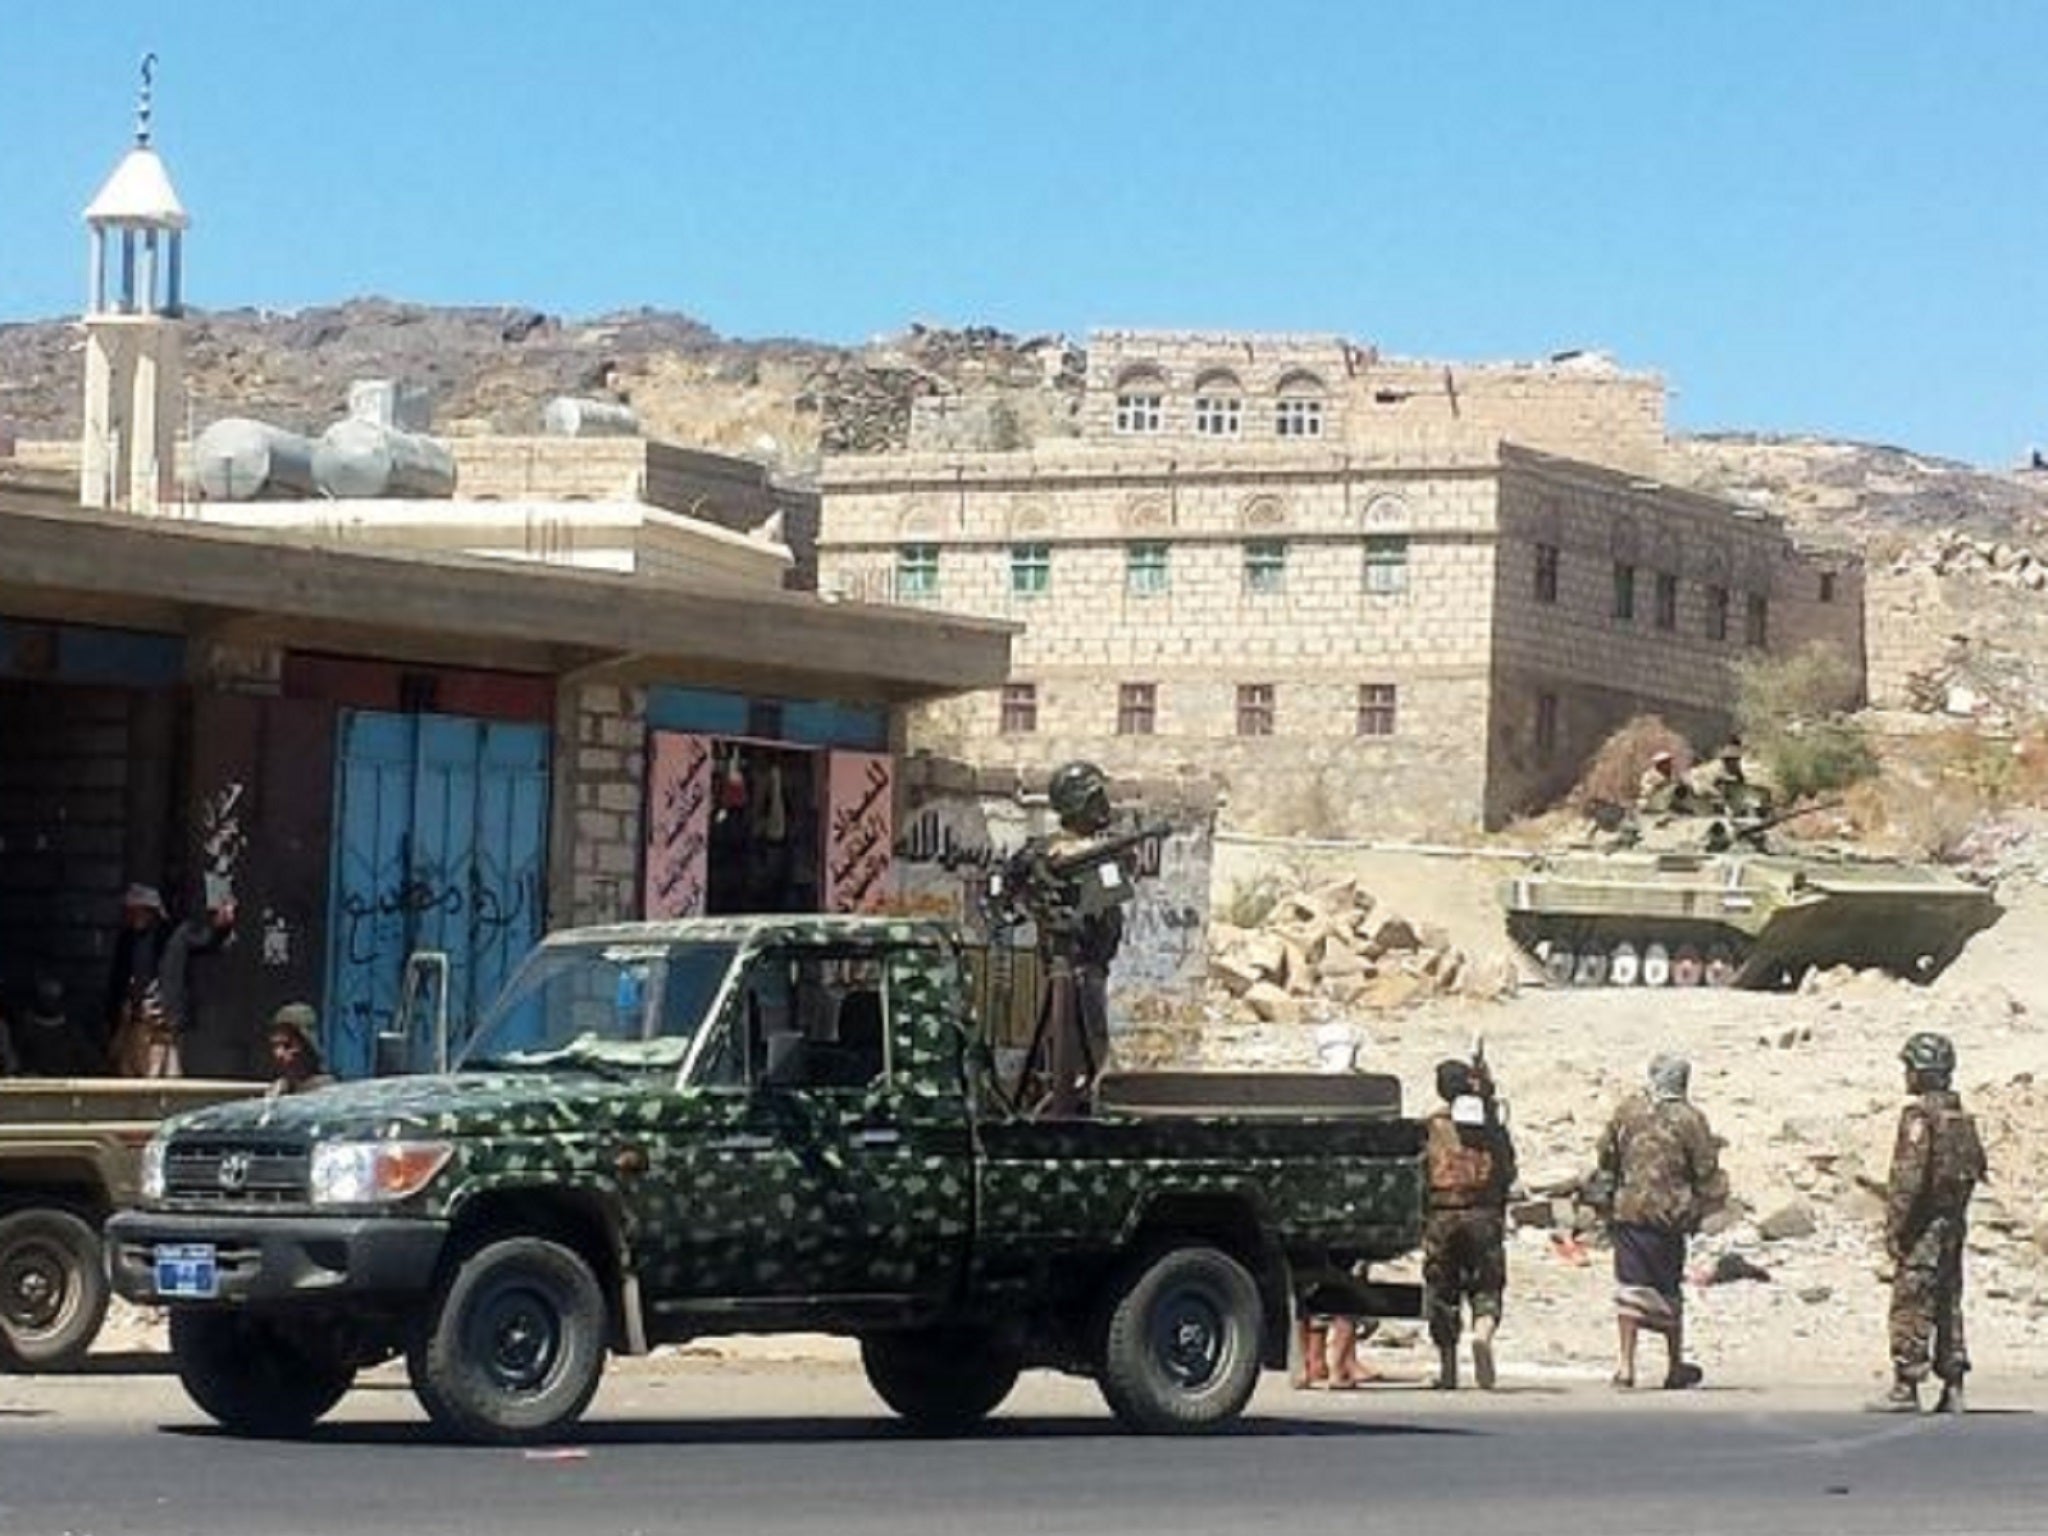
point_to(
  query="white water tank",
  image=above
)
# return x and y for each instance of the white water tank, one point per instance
(568, 416)
(359, 459)
(237, 459)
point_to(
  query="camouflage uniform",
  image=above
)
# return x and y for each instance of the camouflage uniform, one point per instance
(1464, 1243)
(1665, 1162)
(1077, 942)
(1937, 1162)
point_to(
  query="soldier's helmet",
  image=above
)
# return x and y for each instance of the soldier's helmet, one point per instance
(1929, 1053)
(1079, 794)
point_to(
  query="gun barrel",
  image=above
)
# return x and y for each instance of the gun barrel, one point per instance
(1106, 849)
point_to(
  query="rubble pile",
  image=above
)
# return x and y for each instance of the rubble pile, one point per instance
(1333, 948)
(1977, 680)
(1955, 553)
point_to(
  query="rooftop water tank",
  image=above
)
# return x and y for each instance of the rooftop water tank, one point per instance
(567, 416)
(362, 459)
(237, 459)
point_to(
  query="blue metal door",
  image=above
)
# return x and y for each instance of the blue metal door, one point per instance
(439, 844)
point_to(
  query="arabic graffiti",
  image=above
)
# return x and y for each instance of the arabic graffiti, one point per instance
(859, 831)
(951, 841)
(491, 907)
(678, 824)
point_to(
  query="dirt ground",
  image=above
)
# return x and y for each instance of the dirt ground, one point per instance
(1804, 1090)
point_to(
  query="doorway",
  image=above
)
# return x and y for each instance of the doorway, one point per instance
(439, 845)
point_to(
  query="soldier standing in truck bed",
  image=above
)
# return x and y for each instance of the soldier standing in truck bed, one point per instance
(1937, 1163)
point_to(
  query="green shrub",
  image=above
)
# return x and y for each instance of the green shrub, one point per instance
(1790, 710)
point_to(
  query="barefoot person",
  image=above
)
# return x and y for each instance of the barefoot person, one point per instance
(1664, 1165)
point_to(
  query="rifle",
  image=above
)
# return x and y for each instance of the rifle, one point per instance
(1088, 879)
(1753, 831)
(1095, 854)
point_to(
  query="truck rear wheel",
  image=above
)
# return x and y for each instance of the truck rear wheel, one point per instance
(53, 1289)
(940, 1380)
(254, 1377)
(1181, 1349)
(514, 1343)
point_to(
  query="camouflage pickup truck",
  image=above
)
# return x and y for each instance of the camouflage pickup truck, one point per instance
(667, 1131)
(70, 1153)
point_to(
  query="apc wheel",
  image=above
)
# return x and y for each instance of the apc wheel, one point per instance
(1181, 1350)
(1721, 967)
(1624, 965)
(1591, 970)
(53, 1290)
(1656, 966)
(514, 1343)
(1688, 969)
(941, 1380)
(252, 1376)
(1559, 964)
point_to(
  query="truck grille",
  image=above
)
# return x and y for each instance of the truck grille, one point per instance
(238, 1172)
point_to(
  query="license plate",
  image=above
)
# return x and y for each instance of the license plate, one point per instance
(190, 1270)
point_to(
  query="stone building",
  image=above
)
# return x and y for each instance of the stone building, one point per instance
(1373, 595)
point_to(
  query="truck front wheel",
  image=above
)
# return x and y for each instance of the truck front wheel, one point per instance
(1181, 1346)
(53, 1289)
(514, 1343)
(941, 1380)
(253, 1376)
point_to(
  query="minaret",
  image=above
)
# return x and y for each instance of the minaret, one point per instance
(134, 364)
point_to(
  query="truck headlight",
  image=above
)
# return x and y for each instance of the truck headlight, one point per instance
(153, 1168)
(374, 1172)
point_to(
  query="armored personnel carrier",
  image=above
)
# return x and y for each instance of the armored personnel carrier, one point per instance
(1690, 901)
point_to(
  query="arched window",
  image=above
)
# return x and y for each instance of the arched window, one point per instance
(1140, 401)
(1219, 404)
(1298, 406)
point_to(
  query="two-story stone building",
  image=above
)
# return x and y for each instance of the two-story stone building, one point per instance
(1372, 595)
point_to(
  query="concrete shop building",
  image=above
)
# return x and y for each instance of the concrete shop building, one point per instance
(1377, 596)
(380, 753)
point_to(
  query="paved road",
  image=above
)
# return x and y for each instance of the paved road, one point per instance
(715, 1449)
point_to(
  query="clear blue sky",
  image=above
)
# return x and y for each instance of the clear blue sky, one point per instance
(1826, 217)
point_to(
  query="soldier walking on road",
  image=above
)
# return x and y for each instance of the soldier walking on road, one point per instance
(1663, 1162)
(1937, 1162)
(1471, 1164)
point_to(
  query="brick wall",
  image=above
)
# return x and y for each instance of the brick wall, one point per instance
(1315, 640)
(1581, 406)
(600, 770)
(1600, 668)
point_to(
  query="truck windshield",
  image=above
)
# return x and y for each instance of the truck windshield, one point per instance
(602, 1006)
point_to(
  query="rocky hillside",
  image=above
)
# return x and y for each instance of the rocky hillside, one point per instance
(786, 402)
(493, 369)
(1886, 500)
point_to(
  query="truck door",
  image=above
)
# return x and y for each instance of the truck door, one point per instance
(831, 1169)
